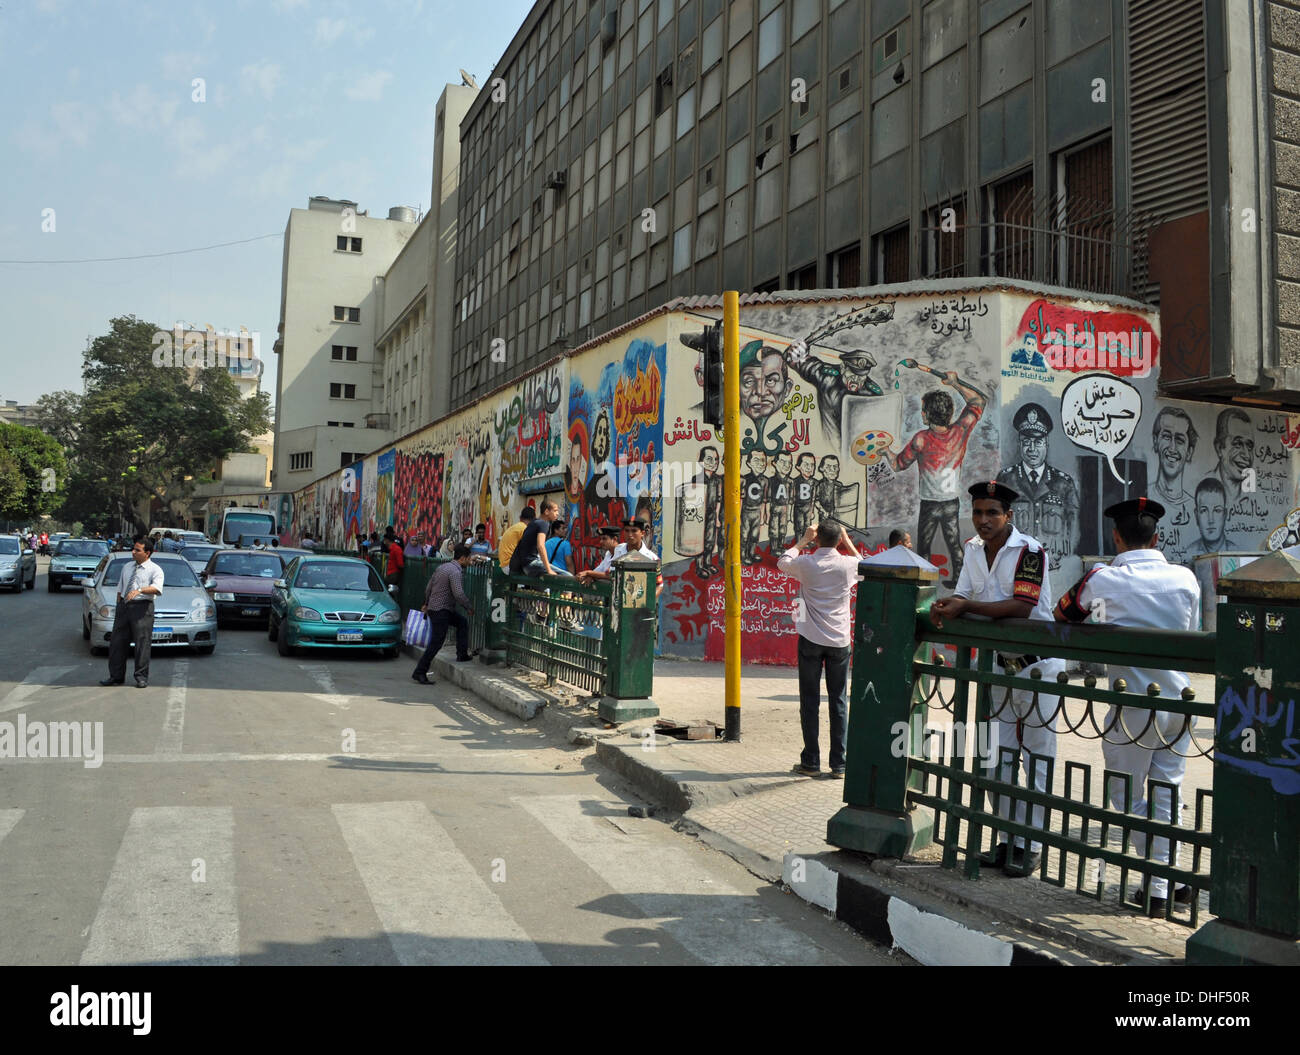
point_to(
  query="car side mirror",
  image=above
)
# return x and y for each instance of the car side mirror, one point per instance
(209, 584)
(279, 584)
(392, 588)
(85, 582)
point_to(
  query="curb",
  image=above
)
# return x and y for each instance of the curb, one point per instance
(932, 932)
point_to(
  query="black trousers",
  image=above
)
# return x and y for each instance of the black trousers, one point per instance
(438, 623)
(131, 619)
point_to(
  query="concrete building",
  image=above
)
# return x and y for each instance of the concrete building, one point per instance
(628, 151)
(328, 408)
(14, 413)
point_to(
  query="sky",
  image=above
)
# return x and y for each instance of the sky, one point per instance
(103, 124)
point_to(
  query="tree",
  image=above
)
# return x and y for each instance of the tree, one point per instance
(147, 432)
(33, 473)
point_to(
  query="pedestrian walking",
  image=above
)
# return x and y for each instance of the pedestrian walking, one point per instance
(396, 560)
(139, 584)
(446, 589)
(1004, 576)
(826, 578)
(1139, 587)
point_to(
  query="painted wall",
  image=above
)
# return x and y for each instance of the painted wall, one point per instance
(876, 414)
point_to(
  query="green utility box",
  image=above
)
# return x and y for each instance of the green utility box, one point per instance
(630, 632)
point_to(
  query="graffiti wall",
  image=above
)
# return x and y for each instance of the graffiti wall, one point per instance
(874, 415)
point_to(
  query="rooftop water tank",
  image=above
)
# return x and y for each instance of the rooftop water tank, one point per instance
(402, 213)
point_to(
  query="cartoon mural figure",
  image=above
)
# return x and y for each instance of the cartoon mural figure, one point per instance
(1211, 519)
(938, 451)
(1234, 443)
(833, 382)
(781, 502)
(805, 492)
(755, 493)
(832, 500)
(1048, 506)
(600, 497)
(711, 478)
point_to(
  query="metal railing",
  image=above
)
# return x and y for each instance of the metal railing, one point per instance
(558, 626)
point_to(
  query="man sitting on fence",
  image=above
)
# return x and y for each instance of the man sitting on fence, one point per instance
(1141, 588)
(530, 557)
(1004, 576)
(445, 590)
(510, 540)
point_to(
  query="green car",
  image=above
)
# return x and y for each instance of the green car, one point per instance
(334, 602)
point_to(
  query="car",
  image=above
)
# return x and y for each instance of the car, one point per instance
(184, 616)
(198, 555)
(239, 582)
(258, 541)
(74, 559)
(333, 602)
(17, 564)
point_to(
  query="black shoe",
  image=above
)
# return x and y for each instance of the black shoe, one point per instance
(421, 678)
(1021, 864)
(113, 681)
(141, 683)
(998, 859)
(1182, 896)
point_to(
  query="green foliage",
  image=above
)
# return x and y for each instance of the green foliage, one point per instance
(141, 430)
(33, 473)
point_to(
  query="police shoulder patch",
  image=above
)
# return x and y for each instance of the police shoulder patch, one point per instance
(1029, 576)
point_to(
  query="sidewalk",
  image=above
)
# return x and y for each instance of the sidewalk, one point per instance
(742, 799)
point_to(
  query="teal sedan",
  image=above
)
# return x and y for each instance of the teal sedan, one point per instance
(334, 602)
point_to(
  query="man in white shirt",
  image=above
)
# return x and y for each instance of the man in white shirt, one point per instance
(1004, 576)
(826, 578)
(1141, 588)
(635, 531)
(140, 583)
(609, 543)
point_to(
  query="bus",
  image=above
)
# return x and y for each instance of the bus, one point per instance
(237, 521)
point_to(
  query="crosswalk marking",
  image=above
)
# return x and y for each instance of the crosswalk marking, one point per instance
(323, 677)
(40, 678)
(9, 818)
(153, 910)
(672, 885)
(434, 906)
(169, 742)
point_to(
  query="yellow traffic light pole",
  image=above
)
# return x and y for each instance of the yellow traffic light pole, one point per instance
(731, 504)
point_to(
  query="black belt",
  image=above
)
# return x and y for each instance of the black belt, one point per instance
(1015, 664)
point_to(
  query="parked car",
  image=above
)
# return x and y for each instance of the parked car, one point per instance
(74, 559)
(184, 616)
(333, 602)
(239, 582)
(17, 564)
(198, 555)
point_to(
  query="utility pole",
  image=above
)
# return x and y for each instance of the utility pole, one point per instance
(731, 506)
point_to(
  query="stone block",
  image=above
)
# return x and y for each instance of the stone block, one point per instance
(1288, 210)
(1288, 256)
(1286, 119)
(1288, 303)
(1288, 346)
(1284, 25)
(1287, 164)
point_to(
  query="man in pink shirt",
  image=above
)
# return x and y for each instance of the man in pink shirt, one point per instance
(826, 578)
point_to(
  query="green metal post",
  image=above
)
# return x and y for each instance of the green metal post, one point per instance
(1255, 864)
(876, 818)
(495, 610)
(629, 641)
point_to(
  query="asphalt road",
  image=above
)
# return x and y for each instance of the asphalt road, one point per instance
(247, 808)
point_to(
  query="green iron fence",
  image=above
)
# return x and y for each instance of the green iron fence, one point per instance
(557, 627)
(907, 788)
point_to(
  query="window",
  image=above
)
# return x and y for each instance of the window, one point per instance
(846, 267)
(342, 391)
(1008, 248)
(344, 244)
(1085, 217)
(342, 314)
(944, 241)
(806, 278)
(664, 90)
(343, 352)
(892, 255)
(300, 461)
(347, 458)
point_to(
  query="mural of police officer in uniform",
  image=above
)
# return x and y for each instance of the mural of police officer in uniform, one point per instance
(805, 491)
(1048, 506)
(852, 376)
(712, 481)
(782, 501)
(754, 494)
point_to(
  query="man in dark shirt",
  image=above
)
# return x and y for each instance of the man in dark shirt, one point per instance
(532, 545)
(445, 590)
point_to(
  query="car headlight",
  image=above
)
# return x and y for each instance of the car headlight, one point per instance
(105, 611)
(307, 615)
(209, 611)
(389, 617)
(223, 596)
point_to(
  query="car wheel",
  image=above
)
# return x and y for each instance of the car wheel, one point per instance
(392, 651)
(85, 630)
(32, 584)
(272, 629)
(97, 650)
(54, 586)
(205, 650)
(282, 643)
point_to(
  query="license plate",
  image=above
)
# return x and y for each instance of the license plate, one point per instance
(162, 633)
(350, 635)
(253, 611)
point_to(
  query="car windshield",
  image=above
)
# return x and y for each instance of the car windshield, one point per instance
(8, 545)
(79, 548)
(175, 573)
(267, 565)
(319, 575)
(199, 553)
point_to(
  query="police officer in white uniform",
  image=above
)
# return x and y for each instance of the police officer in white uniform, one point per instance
(1141, 588)
(1004, 575)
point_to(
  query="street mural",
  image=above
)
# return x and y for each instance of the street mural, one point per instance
(871, 414)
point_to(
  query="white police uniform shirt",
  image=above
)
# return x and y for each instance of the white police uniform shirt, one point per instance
(137, 577)
(1013, 574)
(1139, 588)
(621, 551)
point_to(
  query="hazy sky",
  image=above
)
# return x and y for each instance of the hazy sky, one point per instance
(99, 123)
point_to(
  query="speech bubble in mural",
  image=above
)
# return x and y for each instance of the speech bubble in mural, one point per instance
(1101, 413)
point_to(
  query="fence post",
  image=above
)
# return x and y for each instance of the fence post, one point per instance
(1255, 833)
(495, 611)
(876, 818)
(631, 630)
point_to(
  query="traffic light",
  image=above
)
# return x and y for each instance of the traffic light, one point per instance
(713, 376)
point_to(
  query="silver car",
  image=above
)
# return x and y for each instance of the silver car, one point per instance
(74, 558)
(17, 564)
(184, 616)
(196, 556)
